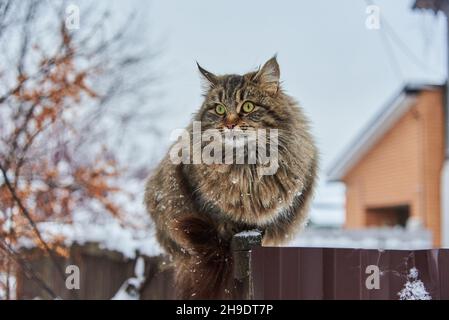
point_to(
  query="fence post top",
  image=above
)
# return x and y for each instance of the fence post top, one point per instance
(246, 240)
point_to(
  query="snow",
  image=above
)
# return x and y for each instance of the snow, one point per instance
(108, 232)
(413, 273)
(414, 289)
(129, 290)
(249, 233)
(332, 216)
(328, 206)
(12, 284)
(139, 270)
(111, 235)
(371, 238)
(129, 235)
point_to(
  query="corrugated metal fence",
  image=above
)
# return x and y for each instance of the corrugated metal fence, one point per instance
(326, 273)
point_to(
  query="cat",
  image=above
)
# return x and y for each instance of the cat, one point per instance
(197, 208)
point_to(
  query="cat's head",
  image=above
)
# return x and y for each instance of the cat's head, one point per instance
(250, 101)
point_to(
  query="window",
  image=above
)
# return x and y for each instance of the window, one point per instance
(388, 216)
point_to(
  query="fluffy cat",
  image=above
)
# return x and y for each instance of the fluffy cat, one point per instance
(197, 208)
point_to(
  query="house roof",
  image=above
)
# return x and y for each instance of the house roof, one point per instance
(376, 128)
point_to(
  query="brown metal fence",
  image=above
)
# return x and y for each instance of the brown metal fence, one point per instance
(326, 273)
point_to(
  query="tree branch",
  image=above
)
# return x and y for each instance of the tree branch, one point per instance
(27, 215)
(26, 267)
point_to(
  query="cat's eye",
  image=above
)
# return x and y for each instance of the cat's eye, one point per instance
(220, 109)
(248, 106)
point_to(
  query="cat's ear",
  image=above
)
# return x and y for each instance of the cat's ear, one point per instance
(268, 76)
(210, 78)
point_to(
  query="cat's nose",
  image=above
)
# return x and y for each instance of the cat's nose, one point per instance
(231, 121)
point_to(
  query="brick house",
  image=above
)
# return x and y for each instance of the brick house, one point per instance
(393, 170)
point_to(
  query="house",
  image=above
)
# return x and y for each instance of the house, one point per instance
(393, 170)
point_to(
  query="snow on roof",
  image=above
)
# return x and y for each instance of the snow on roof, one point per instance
(376, 128)
(333, 216)
(371, 238)
(110, 236)
(135, 234)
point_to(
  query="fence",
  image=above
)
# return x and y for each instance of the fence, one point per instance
(265, 273)
(317, 273)
(102, 273)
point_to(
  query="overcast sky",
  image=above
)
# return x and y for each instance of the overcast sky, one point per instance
(340, 71)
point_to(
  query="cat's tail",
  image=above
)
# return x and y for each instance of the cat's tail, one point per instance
(205, 270)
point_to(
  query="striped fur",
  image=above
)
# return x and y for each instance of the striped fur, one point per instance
(198, 208)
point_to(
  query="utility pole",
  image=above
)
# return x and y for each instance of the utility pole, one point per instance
(442, 6)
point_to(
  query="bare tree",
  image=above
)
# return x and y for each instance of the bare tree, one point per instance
(67, 98)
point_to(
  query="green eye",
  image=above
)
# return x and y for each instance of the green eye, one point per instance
(220, 109)
(248, 107)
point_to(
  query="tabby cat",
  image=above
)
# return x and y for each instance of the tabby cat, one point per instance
(197, 208)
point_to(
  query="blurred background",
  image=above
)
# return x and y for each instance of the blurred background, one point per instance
(90, 92)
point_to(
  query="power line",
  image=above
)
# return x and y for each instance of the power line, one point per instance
(394, 63)
(389, 33)
(406, 49)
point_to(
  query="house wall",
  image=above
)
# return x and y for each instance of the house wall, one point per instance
(403, 168)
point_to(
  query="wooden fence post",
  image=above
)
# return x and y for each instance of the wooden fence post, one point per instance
(242, 243)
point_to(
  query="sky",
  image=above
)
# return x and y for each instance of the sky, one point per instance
(340, 71)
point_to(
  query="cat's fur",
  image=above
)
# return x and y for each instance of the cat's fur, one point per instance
(197, 208)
